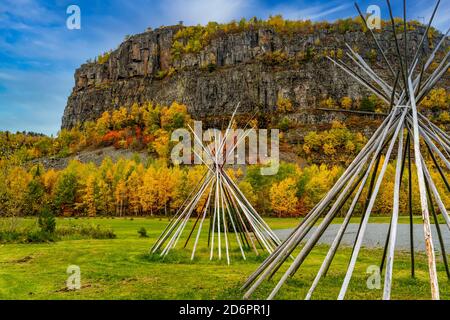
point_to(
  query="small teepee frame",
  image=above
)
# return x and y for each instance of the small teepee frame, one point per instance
(404, 94)
(228, 209)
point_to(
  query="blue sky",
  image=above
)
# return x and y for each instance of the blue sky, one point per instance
(38, 54)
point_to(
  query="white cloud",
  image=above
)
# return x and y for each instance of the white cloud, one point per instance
(303, 11)
(203, 11)
(422, 10)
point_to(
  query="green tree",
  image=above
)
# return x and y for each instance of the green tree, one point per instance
(35, 193)
(66, 192)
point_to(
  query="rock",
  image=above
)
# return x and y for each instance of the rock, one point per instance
(232, 68)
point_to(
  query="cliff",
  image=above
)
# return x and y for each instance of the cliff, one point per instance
(254, 67)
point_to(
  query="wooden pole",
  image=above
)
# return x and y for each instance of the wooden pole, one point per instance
(410, 206)
(394, 221)
(423, 201)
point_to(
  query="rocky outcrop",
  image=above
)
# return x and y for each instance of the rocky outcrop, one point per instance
(254, 67)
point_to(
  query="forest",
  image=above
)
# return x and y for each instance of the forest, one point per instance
(154, 186)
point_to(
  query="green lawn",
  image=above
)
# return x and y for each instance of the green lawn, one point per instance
(122, 269)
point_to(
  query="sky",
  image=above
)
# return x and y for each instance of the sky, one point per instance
(39, 54)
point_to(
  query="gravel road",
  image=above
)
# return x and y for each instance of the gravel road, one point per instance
(376, 234)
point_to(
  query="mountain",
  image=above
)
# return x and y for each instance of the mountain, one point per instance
(257, 65)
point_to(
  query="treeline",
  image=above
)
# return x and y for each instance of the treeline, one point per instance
(139, 127)
(338, 143)
(132, 188)
(436, 101)
(192, 39)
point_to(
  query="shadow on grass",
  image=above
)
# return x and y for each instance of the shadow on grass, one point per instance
(202, 256)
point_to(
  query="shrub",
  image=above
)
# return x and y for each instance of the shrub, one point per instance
(273, 58)
(46, 221)
(85, 232)
(104, 57)
(367, 104)
(444, 117)
(346, 103)
(436, 99)
(37, 236)
(161, 74)
(284, 104)
(372, 55)
(328, 103)
(284, 124)
(142, 232)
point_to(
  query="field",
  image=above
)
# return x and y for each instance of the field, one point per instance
(121, 268)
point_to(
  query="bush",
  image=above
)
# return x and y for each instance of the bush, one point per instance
(367, 104)
(86, 232)
(142, 233)
(46, 221)
(32, 234)
(284, 104)
(161, 74)
(39, 236)
(284, 124)
(273, 58)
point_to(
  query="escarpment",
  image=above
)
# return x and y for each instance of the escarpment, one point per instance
(256, 67)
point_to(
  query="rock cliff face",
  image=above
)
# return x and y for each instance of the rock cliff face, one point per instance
(254, 67)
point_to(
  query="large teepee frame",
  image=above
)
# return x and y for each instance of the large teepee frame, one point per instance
(423, 138)
(225, 205)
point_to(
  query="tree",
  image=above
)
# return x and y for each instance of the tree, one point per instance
(436, 99)
(162, 144)
(284, 104)
(17, 181)
(103, 124)
(173, 117)
(283, 198)
(248, 191)
(148, 194)
(119, 118)
(90, 196)
(134, 183)
(346, 103)
(169, 180)
(35, 192)
(120, 196)
(66, 192)
(328, 103)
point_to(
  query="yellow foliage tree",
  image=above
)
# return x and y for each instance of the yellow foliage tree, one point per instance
(134, 183)
(103, 123)
(119, 118)
(284, 104)
(437, 98)
(120, 195)
(89, 196)
(346, 103)
(328, 103)
(282, 197)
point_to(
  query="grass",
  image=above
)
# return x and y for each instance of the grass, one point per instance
(121, 268)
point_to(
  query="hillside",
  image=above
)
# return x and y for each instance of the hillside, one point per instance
(212, 68)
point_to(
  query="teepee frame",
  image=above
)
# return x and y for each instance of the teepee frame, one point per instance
(423, 137)
(225, 205)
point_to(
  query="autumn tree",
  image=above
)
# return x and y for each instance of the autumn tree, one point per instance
(283, 198)
(90, 196)
(346, 103)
